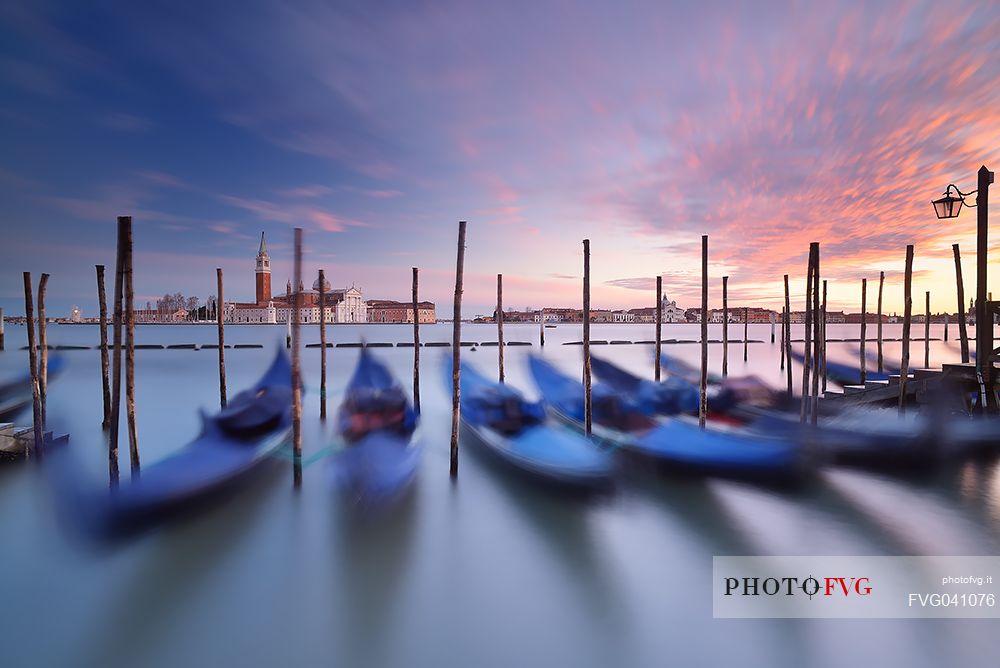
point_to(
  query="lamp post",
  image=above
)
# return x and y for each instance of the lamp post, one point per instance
(949, 206)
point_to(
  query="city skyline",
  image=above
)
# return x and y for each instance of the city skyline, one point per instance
(766, 126)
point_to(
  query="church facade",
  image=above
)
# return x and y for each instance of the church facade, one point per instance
(339, 305)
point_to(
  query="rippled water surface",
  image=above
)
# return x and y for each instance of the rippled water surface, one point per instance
(490, 570)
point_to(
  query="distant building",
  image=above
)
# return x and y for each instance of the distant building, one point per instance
(340, 305)
(152, 315)
(671, 312)
(601, 315)
(623, 316)
(390, 311)
(75, 315)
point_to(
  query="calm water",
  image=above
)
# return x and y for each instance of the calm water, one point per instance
(489, 571)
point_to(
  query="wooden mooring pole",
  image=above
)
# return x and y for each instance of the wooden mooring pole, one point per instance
(103, 321)
(322, 344)
(588, 406)
(658, 347)
(116, 366)
(746, 331)
(864, 323)
(927, 331)
(817, 338)
(963, 333)
(416, 343)
(904, 363)
(36, 404)
(703, 398)
(725, 326)
(43, 349)
(782, 344)
(296, 341)
(881, 283)
(456, 350)
(220, 321)
(804, 409)
(787, 343)
(822, 344)
(128, 270)
(1, 330)
(500, 325)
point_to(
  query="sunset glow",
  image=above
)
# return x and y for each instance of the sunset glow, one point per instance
(641, 127)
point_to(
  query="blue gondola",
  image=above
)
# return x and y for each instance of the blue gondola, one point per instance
(844, 374)
(15, 395)
(675, 442)
(517, 433)
(232, 443)
(376, 423)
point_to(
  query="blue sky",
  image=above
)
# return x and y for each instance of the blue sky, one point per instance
(377, 126)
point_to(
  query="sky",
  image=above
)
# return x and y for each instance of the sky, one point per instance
(377, 126)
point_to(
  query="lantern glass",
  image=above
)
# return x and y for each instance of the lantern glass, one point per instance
(947, 206)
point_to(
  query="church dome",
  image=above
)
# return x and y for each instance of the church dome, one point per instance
(326, 285)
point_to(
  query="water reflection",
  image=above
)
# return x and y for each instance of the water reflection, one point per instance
(490, 570)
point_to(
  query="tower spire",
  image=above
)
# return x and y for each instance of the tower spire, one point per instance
(263, 246)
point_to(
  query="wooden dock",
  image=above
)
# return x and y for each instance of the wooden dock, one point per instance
(919, 385)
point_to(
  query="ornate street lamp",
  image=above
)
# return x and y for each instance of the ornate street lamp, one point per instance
(949, 207)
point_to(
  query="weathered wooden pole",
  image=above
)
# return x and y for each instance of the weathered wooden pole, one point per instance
(822, 343)
(703, 398)
(220, 320)
(288, 331)
(984, 314)
(817, 338)
(322, 344)
(500, 324)
(658, 347)
(416, 345)
(1, 329)
(588, 407)
(128, 271)
(297, 362)
(787, 343)
(36, 403)
(782, 344)
(43, 349)
(771, 317)
(541, 329)
(456, 350)
(881, 283)
(927, 331)
(746, 329)
(807, 348)
(116, 367)
(963, 333)
(904, 364)
(947, 321)
(103, 321)
(725, 326)
(864, 307)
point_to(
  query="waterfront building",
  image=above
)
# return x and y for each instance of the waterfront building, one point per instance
(391, 311)
(341, 305)
(623, 316)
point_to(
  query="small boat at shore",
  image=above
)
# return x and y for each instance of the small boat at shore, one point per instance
(677, 443)
(232, 443)
(516, 432)
(376, 423)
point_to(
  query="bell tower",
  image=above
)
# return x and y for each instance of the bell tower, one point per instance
(263, 274)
